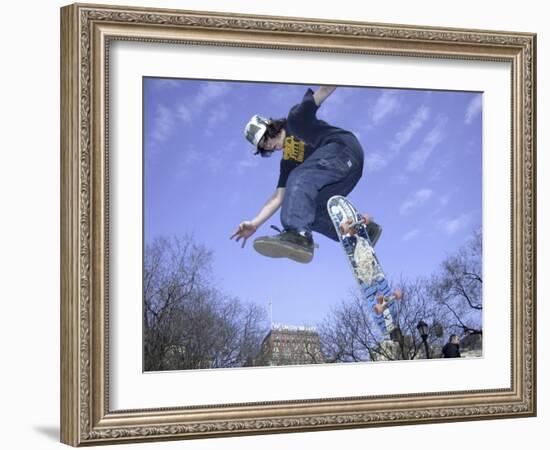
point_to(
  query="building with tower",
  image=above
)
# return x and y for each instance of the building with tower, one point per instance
(290, 345)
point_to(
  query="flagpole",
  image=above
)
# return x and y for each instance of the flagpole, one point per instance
(270, 314)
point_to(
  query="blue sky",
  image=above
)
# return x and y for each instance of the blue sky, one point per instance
(422, 182)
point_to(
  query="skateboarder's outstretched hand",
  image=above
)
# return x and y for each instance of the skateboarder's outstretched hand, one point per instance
(245, 230)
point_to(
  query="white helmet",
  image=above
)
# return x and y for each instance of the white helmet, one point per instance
(255, 129)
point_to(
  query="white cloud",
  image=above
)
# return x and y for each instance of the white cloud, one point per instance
(399, 178)
(411, 235)
(166, 119)
(163, 124)
(376, 161)
(215, 164)
(386, 104)
(166, 83)
(336, 105)
(216, 157)
(415, 200)
(404, 135)
(183, 113)
(436, 175)
(473, 109)
(248, 162)
(216, 116)
(444, 199)
(209, 92)
(247, 159)
(419, 157)
(188, 157)
(453, 225)
(287, 95)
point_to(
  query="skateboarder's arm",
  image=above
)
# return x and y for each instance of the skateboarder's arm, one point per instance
(322, 93)
(270, 207)
(303, 114)
(249, 227)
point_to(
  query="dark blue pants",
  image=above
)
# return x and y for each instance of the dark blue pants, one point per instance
(333, 169)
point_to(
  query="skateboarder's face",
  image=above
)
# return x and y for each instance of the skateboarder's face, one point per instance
(274, 143)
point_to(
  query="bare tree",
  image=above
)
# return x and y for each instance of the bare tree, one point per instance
(458, 287)
(350, 334)
(347, 333)
(419, 305)
(450, 300)
(188, 323)
(172, 276)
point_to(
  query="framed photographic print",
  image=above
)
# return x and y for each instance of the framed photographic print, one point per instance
(396, 166)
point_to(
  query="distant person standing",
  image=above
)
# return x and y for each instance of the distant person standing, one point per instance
(452, 348)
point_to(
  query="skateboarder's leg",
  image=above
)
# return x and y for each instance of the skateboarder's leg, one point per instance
(332, 164)
(324, 226)
(328, 165)
(369, 294)
(393, 308)
(323, 223)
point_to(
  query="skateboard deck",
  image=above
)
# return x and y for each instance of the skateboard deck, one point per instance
(375, 290)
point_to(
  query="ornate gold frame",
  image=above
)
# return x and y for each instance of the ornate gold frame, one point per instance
(86, 31)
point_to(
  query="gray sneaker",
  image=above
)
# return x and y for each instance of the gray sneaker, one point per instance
(287, 244)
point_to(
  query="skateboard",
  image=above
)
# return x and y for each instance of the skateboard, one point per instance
(352, 231)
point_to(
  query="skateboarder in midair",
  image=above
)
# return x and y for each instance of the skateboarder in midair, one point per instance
(319, 161)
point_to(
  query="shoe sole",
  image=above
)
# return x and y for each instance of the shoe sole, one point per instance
(377, 232)
(280, 250)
